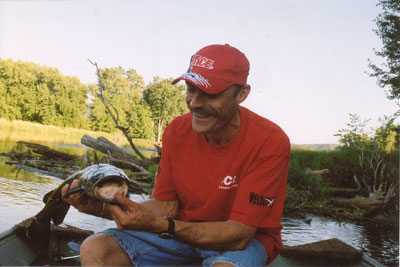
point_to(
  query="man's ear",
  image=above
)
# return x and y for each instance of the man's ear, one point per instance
(243, 93)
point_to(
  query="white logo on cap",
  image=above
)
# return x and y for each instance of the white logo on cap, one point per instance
(196, 79)
(203, 62)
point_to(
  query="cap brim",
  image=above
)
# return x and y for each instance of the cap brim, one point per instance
(210, 86)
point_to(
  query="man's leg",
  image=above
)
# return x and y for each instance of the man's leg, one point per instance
(148, 249)
(103, 250)
(253, 255)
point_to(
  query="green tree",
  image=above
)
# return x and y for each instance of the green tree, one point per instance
(123, 92)
(377, 172)
(41, 94)
(166, 101)
(388, 23)
(139, 117)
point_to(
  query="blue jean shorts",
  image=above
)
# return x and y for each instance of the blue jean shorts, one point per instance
(147, 249)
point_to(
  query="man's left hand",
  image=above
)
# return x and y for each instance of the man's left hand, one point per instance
(129, 215)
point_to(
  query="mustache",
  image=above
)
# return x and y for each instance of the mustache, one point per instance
(203, 111)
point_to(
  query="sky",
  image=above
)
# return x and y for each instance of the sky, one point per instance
(308, 58)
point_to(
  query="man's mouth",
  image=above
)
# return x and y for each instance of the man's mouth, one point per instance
(201, 116)
(201, 113)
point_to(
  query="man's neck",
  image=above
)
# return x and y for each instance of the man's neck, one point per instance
(227, 133)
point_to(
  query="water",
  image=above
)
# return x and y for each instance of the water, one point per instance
(21, 194)
(380, 244)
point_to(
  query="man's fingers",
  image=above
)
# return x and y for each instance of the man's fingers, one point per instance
(124, 201)
(64, 190)
(75, 183)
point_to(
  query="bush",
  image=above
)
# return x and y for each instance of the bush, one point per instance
(304, 186)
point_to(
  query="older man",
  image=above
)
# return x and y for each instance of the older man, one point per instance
(220, 187)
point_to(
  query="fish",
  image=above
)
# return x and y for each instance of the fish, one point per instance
(100, 181)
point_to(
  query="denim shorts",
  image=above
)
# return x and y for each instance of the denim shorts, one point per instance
(147, 249)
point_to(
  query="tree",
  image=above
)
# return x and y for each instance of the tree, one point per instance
(388, 23)
(123, 91)
(41, 94)
(166, 101)
(378, 154)
(117, 87)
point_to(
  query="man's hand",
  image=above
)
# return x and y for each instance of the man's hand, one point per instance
(134, 216)
(82, 202)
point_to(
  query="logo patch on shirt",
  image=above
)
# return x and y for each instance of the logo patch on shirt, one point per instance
(261, 200)
(228, 182)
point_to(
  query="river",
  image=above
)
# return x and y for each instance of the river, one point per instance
(21, 195)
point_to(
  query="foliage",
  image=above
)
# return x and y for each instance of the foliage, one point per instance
(311, 159)
(40, 94)
(166, 101)
(307, 186)
(123, 91)
(34, 93)
(388, 23)
(377, 169)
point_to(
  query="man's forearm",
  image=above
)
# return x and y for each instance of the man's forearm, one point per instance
(149, 216)
(227, 235)
(162, 208)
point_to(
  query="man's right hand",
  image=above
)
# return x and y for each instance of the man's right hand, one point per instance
(82, 202)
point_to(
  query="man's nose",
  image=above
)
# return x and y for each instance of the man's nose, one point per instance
(197, 99)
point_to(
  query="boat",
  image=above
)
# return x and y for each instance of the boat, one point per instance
(63, 250)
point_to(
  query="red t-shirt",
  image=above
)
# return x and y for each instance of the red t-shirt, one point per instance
(243, 180)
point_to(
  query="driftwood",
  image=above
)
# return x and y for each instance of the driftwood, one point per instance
(318, 173)
(344, 192)
(367, 204)
(48, 152)
(103, 145)
(28, 166)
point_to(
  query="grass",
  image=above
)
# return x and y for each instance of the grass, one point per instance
(34, 132)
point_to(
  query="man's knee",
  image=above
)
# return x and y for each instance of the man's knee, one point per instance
(102, 250)
(95, 245)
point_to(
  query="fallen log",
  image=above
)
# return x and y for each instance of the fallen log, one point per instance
(105, 146)
(49, 153)
(28, 166)
(344, 192)
(364, 203)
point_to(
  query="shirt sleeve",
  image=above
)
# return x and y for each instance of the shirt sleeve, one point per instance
(261, 194)
(164, 188)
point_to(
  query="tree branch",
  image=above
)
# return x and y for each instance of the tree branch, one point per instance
(121, 128)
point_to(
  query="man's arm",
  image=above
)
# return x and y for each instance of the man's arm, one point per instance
(148, 216)
(227, 235)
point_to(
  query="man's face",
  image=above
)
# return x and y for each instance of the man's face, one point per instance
(211, 113)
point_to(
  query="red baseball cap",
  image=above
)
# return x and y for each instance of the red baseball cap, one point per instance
(215, 68)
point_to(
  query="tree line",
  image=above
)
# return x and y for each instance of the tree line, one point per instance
(40, 94)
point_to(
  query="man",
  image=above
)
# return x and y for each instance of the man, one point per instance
(220, 187)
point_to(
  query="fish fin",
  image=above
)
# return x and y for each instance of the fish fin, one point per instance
(59, 215)
(73, 191)
(46, 197)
